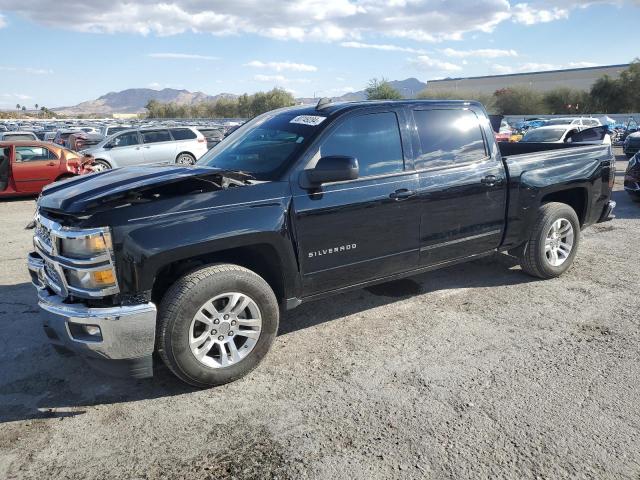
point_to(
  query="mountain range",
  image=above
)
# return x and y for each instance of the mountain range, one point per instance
(134, 100)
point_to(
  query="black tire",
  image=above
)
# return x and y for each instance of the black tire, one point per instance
(533, 258)
(185, 159)
(103, 164)
(182, 301)
(635, 198)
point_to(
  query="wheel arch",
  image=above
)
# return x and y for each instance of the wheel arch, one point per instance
(186, 152)
(261, 258)
(576, 198)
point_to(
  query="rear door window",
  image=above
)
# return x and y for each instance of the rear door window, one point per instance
(373, 139)
(183, 134)
(33, 154)
(156, 136)
(448, 137)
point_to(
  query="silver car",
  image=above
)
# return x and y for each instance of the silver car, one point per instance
(183, 145)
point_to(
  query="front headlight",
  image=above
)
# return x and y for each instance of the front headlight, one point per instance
(91, 280)
(86, 246)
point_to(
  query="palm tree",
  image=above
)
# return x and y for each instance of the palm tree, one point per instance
(17, 106)
(36, 106)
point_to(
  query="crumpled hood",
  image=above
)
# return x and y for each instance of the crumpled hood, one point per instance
(112, 188)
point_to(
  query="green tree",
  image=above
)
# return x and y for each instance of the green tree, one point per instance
(566, 100)
(630, 85)
(518, 101)
(607, 96)
(381, 90)
(244, 106)
(17, 106)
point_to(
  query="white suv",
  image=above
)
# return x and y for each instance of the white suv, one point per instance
(183, 145)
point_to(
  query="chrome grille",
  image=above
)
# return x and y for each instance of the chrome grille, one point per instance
(44, 234)
(51, 272)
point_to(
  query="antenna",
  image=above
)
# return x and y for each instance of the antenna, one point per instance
(323, 102)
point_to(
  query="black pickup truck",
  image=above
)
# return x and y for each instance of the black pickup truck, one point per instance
(195, 263)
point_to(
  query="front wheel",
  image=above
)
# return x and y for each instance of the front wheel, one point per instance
(185, 159)
(100, 166)
(216, 324)
(553, 242)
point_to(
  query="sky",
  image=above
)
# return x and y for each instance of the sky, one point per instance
(62, 52)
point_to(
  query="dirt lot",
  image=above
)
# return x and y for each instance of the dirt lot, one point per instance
(475, 371)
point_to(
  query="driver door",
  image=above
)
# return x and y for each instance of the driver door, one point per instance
(359, 230)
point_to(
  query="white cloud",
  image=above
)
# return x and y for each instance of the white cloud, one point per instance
(324, 20)
(282, 66)
(321, 20)
(480, 53)
(384, 47)
(424, 62)
(29, 70)
(529, 15)
(3, 21)
(182, 56)
(269, 78)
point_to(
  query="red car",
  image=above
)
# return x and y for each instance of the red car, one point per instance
(27, 166)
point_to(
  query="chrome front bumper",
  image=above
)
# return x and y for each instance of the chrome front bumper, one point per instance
(126, 338)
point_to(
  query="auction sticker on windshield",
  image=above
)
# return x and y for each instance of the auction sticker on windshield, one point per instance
(312, 120)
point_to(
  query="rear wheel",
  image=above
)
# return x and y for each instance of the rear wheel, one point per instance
(553, 242)
(185, 159)
(100, 166)
(216, 324)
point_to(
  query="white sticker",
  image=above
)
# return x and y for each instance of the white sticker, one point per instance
(312, 120)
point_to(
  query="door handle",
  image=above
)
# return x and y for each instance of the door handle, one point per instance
(402, 194)
(491, 181)
(51, 164)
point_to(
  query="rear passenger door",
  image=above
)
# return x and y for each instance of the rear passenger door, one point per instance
(158, 146)
(33, 168)
(354, 231)
(462, 184)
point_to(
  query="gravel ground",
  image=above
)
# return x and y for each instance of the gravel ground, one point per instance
(474, 371)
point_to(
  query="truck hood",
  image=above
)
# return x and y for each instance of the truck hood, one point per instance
(87, 194)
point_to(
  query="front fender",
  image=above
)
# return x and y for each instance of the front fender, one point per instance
(145, 248)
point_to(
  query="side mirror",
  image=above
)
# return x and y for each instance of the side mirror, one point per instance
(330, 169)
(108, 146)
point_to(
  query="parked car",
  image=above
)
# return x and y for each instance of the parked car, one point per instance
(298, 204)
(632, 178)
(27, 166)
(80, 141)
(109, 130)
(183, 145)
(17, 136)
(631, 144)
(550, 134)
(214, 135)
(581, 122)
(62, 136)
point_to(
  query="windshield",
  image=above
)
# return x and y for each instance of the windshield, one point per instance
(544, 135)
(264, 146)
